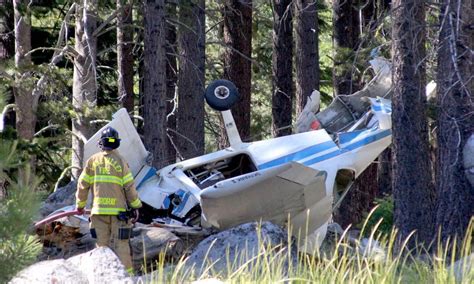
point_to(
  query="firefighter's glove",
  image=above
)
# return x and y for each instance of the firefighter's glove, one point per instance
(135, 215)
(80, 211)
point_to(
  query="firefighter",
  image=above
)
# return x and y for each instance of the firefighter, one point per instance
(114, 195)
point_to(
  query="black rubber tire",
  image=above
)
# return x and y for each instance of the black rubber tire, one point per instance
(221, 94)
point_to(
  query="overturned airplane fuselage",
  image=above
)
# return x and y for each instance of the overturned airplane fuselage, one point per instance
(293, 180)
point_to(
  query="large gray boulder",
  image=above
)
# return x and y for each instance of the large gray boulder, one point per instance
(100, 265)
(62, 197)
(236, 246)
(149, 242)
(50, 271)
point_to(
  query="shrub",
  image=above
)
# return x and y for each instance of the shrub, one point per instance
(17, 209)
(383, 213)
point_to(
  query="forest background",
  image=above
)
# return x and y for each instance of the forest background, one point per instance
(66, 66)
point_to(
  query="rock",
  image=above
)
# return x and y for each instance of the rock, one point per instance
(371, 249)
(101, 265)
(468, 159)
(335, 229)
(50, 271)
(463, 268)
(149, 242)
(239, 244)
(190, 236)
(61, 241)
(64, 196)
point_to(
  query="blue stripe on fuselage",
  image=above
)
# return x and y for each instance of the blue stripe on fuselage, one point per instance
(383, 108)
(368, 140)
(300, 155)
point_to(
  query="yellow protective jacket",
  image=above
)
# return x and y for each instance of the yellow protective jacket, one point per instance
(108, 176)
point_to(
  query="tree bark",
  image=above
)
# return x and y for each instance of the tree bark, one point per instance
(359, 199)
(455, 121)
(237, 64)
(7, 47)
(384, 172)
(25, 104)
(413, 191)
(7, 39)
(155, 81)
(171, 81)
(346, 39)
(125, 54)
(191, 41)
(84, 88)
(282, 77)
(307, 51)
(376, 179)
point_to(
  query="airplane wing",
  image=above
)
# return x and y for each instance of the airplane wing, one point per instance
(275, 194)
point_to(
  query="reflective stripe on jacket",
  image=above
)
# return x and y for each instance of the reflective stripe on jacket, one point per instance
(108, 176)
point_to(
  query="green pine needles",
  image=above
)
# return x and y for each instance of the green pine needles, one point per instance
(19, 203)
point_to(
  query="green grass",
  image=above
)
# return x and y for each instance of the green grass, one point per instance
(336, 263)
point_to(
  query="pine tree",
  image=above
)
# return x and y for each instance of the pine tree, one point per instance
(17, 248)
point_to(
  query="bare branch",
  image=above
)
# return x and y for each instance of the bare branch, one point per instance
(98, 121)
(4, 112)
(63, 174)
(78, 136)
(138, 117)
(105, 23)
(175, 147)
(184, 137)
(57, 55)
(46, 128)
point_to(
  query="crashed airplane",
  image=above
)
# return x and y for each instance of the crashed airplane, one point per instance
(294, 180)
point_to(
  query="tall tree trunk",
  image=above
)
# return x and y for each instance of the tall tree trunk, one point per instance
(191, 41)
(455, 118)
(154, 84)
(7, 39)
(359, 198)
(25, 104)
(84, 87)
(384, 172)
(140, 7)
(7, 46)
(237, 63)
(307, 51)
(7, 51)
(124, 53)
(171, 81)
(346, 39)
(413, 189)
(282, 77)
